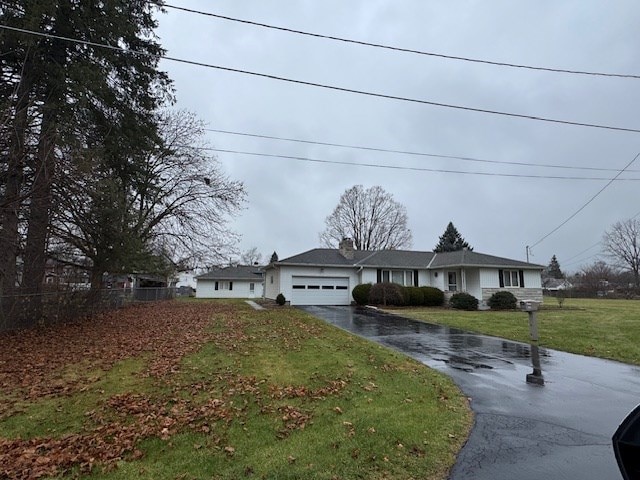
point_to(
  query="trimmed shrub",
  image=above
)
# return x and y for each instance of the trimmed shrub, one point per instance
(463, 301)
(502, 300)
(386, 294)
(360, 293)
(432, 297)
(280, 300)
(413, 296)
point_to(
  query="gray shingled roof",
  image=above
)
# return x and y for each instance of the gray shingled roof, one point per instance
(403, 259)
(469, 258)
(324, 256)
(241, 272)
(398, 258)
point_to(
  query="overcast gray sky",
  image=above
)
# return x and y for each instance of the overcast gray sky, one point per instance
(288, 200)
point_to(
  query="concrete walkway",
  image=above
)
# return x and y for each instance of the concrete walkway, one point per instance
(558, 431)
(254, 305)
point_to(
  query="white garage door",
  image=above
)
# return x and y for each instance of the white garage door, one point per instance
(320, 291)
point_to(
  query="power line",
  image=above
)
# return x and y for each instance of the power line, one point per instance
(587, 203)
(401, 167)
(400, 49)
(583, 251)
(419, 154)
(328, 87)
(582, 260)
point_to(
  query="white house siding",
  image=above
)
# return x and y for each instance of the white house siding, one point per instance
(272, 283)
(489, 278)
(490, 283)
(472, 276)
(241, 289)
(438, 281)
(287, 273)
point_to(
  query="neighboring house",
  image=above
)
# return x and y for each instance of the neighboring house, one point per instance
(230, 282)
(325, 276)
(555, 284)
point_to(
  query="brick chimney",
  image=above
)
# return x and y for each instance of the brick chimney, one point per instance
(346, 248)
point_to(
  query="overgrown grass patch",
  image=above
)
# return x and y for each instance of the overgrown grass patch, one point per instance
(269, 394)
(596, 327)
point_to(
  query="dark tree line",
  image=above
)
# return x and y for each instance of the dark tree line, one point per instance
(92, 165)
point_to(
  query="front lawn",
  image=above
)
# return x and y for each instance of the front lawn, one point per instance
(214, 389)
(595, 327)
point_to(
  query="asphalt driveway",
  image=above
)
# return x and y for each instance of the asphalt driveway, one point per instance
(559, 431)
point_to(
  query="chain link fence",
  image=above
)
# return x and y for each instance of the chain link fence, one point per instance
(26, 311)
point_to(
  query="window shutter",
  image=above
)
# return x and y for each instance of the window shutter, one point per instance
(216, 287)
(230, 285)
(379, 276)
(501, 277)
(415, 278)
(521, 273)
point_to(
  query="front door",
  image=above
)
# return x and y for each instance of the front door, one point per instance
(453, 281)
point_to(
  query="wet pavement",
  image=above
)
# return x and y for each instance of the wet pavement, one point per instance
(558, 431)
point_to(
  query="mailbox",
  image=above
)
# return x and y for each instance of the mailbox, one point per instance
(529, 305)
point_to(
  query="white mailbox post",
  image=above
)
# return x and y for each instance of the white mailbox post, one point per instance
(531, 307)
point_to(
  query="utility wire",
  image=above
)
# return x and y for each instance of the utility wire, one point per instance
(400, 49)
(419, 154)
(401, 167)
(325, 86)
(583, 251)
(588, 202)
(582, 260)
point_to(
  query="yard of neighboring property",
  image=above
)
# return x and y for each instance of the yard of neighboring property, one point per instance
(596, 327)
(213, 389)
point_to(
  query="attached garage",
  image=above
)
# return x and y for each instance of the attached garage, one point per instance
(320, 291)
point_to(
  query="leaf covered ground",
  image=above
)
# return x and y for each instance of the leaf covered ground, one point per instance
(217, 390)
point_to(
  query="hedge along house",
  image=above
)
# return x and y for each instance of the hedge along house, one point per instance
(325, 276)
(244, 281)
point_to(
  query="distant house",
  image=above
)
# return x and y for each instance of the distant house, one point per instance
(325, 276)
(555, 284)
(244, 281)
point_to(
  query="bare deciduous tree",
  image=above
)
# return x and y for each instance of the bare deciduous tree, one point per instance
(622, 243)
(596, 277)
(171, 205)
(251, 257)
(371, 217)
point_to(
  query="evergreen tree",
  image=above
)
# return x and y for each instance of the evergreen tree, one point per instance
(553, 270)
(451, 241)
(69, 95)
(274, 258)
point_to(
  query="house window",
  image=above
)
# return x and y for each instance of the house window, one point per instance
(408, 278)
(401, 277)
(224, 286)
(511, 278)
(271, 279)
(252, 287)
(453, 281)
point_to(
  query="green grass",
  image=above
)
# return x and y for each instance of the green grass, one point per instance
(596, 327)
(297, 399)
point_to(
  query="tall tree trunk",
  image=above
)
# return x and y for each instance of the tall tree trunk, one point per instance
(12, 199)
(40, 207)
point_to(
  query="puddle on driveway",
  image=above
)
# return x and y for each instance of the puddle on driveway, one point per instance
(429, 342)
